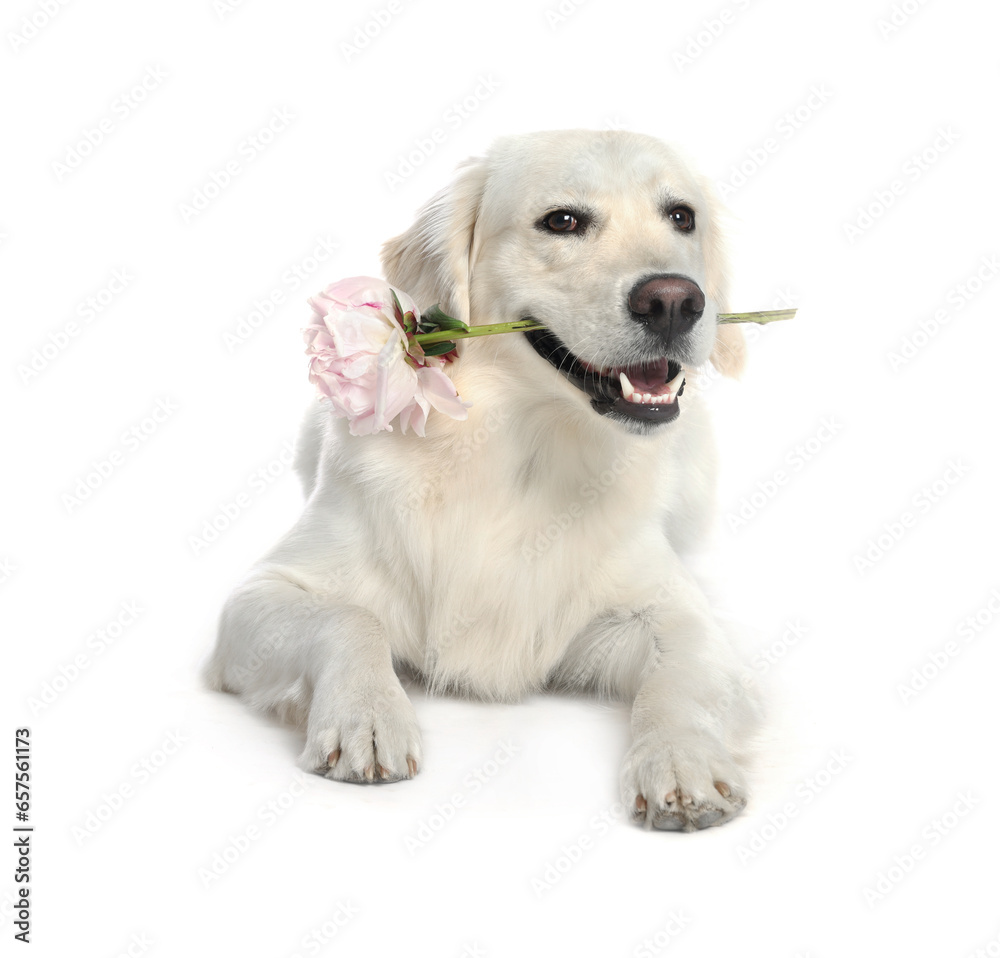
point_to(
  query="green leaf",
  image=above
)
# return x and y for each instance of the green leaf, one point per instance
(441, 320)
(397, 306)
(438, 349)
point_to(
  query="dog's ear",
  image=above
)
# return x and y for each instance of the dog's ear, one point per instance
(729, 353)
(432, 260)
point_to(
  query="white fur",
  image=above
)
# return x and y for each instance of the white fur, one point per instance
(537, 543)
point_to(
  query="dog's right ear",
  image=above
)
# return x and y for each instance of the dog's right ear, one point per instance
(729, 352)
(432, 260)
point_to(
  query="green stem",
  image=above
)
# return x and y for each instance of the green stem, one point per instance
(526, 325)
(762, 316)
(448, 335)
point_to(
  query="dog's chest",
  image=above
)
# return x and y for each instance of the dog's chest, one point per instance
(509, 558)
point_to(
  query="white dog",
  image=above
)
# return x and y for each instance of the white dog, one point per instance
(537, 544)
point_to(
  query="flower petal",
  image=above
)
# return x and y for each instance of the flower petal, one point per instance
(440, 392)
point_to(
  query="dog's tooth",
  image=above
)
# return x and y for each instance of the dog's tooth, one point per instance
(627, 389)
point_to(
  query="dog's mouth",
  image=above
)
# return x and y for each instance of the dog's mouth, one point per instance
(644, 392)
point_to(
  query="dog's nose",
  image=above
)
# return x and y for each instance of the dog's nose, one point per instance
(668, 305)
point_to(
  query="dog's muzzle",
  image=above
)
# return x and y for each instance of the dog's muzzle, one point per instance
(668, 306)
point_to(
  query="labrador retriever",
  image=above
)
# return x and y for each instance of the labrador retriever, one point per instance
(538, 543)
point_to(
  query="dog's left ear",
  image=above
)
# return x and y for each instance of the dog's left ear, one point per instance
(729, 353)
(432, 260)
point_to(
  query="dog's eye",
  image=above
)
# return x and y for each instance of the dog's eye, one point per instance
(682, 217)
(561, 221)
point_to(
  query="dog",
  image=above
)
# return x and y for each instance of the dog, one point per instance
(536, 545)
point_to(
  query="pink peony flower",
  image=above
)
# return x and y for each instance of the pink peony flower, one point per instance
(363, 358)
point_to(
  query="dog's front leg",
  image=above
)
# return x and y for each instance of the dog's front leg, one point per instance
(282, 642)
(690, 710)
(361, 724)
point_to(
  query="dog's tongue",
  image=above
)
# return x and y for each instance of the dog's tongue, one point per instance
(647, 377)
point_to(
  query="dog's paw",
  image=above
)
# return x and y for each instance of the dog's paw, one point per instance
(681, 783)
(371, 737)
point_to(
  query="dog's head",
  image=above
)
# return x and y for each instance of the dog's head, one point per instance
(608, 239)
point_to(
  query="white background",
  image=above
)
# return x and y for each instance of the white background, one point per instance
(855, 776)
